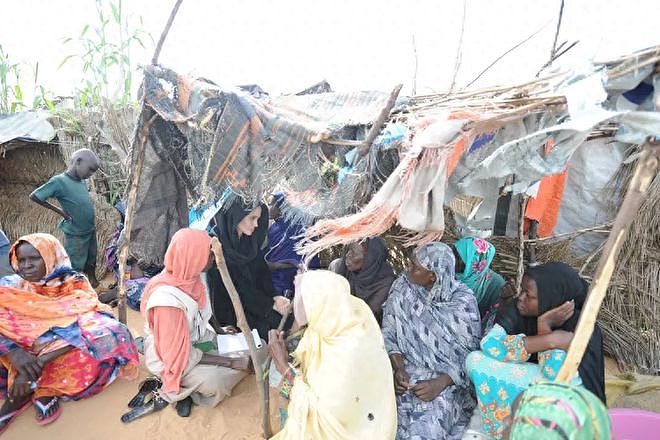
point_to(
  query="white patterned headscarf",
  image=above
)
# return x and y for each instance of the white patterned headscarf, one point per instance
(439, 259)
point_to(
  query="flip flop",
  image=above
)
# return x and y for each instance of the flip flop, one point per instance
(8, 418)
(184, 407)
(154, 405)
(43, 409)
(149, 385)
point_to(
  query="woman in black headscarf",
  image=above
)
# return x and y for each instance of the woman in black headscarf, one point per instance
(242, 229)
(366, 268)
(558, 284)
(529, 341)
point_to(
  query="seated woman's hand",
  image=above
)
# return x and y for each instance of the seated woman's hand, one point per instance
(281, 305)
(561, 339)
(427, 390)
(277, 349)
(21, 388)
(555, 318)
(401, 380)
(26, 363)
(227, 330)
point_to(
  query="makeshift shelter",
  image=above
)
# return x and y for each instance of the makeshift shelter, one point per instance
(30, 154)
(497, 158)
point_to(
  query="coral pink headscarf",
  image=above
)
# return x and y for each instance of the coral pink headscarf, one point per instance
(186, 257)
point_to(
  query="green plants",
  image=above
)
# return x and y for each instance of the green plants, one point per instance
(12, 97)
(104, 50)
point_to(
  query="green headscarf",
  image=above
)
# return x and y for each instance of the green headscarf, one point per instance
(559, 411)
(478, 254)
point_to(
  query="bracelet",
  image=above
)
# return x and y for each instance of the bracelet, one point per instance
(287, 382)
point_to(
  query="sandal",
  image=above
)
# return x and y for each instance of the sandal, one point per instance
(147, 386)
(184, 407)
(157, 403)
(42, 410)
(6, 420)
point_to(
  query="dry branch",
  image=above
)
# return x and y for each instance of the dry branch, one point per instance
(242, 324)
(166, 30)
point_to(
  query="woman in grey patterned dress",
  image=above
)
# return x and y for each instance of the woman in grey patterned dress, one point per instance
(431, 323)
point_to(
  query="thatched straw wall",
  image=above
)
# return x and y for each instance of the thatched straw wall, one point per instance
(21, 171)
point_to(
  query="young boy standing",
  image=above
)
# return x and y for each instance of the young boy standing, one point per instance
(78, 223)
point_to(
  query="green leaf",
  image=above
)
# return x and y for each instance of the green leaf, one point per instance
(66, 40)
(115, 13)
(65, 60)
(139, 40)
(84, 31)
(83, 99)
(18, 92)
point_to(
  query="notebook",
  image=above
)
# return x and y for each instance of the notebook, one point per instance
(236, 342)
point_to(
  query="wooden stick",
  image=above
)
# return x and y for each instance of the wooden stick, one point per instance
(130, 211)
(645, 172)
(600, 228)
(242, 324)
(554, 49)
(378, 123)
(166, 30)
(521, 244)
(267, 371)
(136, 173)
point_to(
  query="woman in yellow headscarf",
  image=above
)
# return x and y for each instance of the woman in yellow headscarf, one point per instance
(334, 393)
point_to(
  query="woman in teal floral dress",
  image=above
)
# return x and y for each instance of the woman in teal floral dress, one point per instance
(528, 343)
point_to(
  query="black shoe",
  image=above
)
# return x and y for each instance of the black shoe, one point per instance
(184, 407)
(155, 404)
(149, 385)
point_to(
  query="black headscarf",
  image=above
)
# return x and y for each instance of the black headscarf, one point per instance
(372, 283)
(247, 268)
(243, 249)
(557, 283)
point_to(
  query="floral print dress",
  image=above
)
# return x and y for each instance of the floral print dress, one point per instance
(500, 372)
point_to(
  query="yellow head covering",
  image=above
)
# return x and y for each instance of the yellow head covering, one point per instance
(345, 388)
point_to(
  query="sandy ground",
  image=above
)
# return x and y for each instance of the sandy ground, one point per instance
(236, 418)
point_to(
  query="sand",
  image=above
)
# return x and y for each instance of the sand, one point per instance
(236, 418)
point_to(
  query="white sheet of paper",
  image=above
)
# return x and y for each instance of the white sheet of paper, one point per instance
(233, 343)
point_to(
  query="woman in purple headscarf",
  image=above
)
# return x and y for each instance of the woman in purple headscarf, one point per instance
(281, 257)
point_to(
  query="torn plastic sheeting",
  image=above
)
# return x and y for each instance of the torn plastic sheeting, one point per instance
(525, 157)
(635, 127)
(584, 202)
(630, 80)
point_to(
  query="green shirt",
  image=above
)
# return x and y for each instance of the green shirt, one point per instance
(73, 196)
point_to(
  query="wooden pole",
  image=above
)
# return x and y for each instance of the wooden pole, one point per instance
(130, 211)
(521, 244)
(645, 172)
(139, 141)
(378, 123)
(166, 30)
(267, 371)
(242, 323)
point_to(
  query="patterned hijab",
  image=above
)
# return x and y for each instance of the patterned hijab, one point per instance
(439, 259)
(29, 309)
(477, 254)
(52, 252)
(559, 411)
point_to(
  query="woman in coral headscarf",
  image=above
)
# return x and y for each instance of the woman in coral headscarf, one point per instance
(56, 339)
(179, 343)
(333, 393)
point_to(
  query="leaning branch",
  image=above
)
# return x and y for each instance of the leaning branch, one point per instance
(242, 323)
(166, 30)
